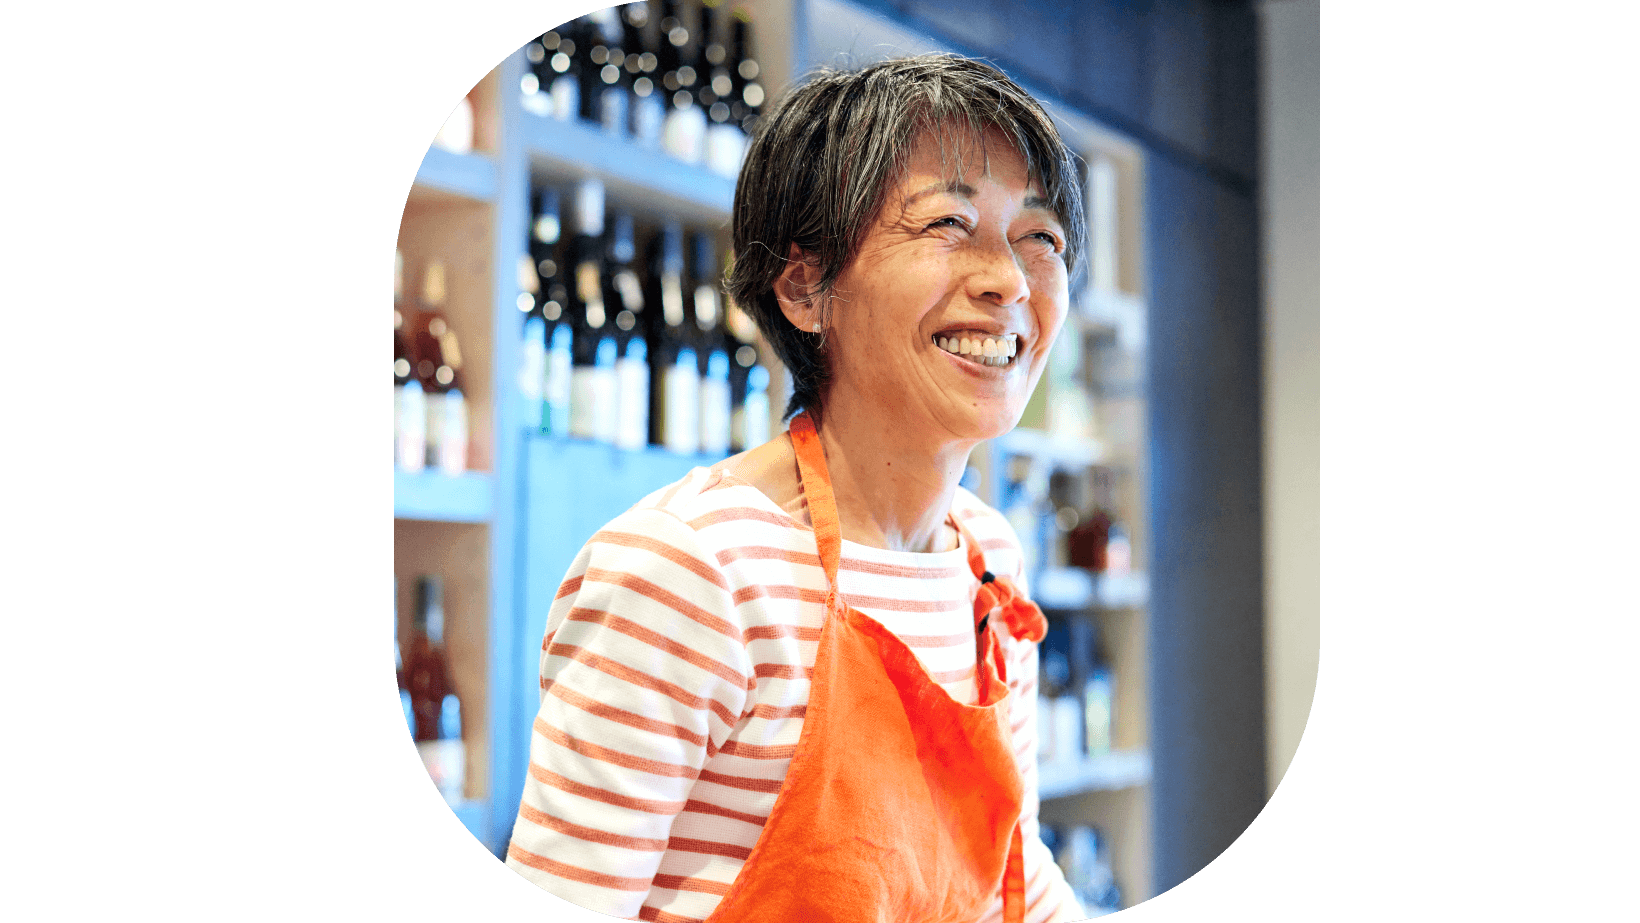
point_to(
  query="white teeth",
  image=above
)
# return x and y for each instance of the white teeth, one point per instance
(993, 351)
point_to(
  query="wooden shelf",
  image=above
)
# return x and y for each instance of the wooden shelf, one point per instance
(435, 497)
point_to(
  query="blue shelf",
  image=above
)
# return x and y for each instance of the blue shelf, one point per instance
(471, 176)
(572, 150)
(435, 497)
(472, 815)
(1113, 771)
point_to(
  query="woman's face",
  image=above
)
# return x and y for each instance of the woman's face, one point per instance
(965, 251)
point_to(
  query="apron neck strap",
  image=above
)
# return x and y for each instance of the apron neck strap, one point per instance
(822, 502)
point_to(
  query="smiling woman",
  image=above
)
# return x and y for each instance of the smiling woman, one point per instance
(801, 684)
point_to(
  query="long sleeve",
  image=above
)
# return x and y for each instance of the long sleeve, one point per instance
(644, 673)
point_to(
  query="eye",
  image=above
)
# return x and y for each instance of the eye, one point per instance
(949, 221)
(1049, 238)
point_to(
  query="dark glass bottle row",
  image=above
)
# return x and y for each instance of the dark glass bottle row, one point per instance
(628, 350)
(685, 81)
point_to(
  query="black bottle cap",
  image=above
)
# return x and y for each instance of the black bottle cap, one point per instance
(671, 247)
(704, 252)
(621, 247)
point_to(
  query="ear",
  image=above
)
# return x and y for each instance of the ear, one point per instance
(794, 289)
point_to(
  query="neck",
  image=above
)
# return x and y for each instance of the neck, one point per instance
(893, 488)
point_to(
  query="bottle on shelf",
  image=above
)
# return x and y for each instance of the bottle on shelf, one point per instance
(746, 97)
(683, 130)
(532, 347)
(1099, 706)
(592, 379)
(456, 134)
(532, 88)
(1059, 739)
(558, 76)
(433, 700)
(716, 411)
(409, 403)
(557, 334)
(438, 365)
(674, 369)
(398, 667)
(625, 293)
(750, 427)
(724, 141)
(641, 64)
(604, 92)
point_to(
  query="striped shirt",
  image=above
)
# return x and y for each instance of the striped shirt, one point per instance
(674, 677)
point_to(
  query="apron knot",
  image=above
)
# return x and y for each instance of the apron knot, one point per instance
(1024, 620)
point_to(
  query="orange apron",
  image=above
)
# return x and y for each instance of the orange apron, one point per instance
(901, 804)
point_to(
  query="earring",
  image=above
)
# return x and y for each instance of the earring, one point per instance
(816, 326)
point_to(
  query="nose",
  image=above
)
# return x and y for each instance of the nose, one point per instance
(996, 274)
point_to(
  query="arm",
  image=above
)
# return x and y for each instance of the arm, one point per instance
(643, 672)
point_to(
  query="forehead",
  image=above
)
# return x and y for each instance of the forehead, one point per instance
(960, 155)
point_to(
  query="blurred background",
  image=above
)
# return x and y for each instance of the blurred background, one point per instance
(562, 349)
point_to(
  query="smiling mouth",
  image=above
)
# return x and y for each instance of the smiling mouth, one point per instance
(993, 351)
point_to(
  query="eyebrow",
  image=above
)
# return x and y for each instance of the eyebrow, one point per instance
(967, 192)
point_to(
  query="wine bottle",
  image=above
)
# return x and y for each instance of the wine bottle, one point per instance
(724, 141)
(533, 85)
(438, 365)
(398, 668)
(640, 63)
(560, 76)
(683, 131)
(592, 381)
(715, 409)
(603, 92)
(532, 347)
(427, 675)
(749, 395)
(674, 370)
(746, 98)
(625, 293)
(409, 403)
(557, 334)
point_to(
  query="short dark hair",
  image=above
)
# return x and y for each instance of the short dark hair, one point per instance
(821, 161)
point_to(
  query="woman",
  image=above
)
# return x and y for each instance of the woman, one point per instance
(798, 685)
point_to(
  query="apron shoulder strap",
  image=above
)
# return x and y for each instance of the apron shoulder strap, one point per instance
(822, 503)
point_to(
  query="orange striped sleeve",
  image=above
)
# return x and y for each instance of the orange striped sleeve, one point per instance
(644, 676)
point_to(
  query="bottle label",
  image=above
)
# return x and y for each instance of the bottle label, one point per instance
(706, 306)
(647, 114)
(452, 445)
(412, 428)
(532, 362)
(682, 397)
(556, 388)
(724, 149)
(398, 419)
(684, 134)
(583, 401)
(632, 384)
(714, 415)
(566, 98)
(612, 110)
(605, 418)
(435, 430)
(630, 290)
(756, 414)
